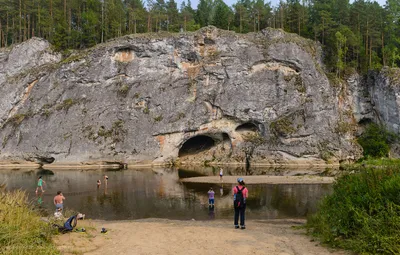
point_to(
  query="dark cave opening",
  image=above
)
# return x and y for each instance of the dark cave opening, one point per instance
(248, 126)
(196, 144)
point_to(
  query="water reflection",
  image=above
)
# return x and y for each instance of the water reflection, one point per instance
(131, 194)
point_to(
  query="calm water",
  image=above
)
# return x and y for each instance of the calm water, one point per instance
(158, 193)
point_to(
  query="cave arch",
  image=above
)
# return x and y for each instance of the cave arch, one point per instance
(248, 126)
(196, 144)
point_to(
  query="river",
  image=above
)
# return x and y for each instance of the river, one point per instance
(158, 193)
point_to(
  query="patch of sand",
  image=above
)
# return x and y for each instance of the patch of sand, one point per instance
(263, 179)
(158, 236)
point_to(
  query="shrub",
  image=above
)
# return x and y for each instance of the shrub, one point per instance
(376, 141)
(363, 212)
(66, 104)
(21, 229)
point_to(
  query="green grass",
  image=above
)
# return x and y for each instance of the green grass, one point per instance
(363, 212)
(386, 162)
(21, 229)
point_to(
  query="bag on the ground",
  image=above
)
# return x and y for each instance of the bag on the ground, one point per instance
(239, 198)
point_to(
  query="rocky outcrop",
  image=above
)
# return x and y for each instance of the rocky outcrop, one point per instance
(208, 96)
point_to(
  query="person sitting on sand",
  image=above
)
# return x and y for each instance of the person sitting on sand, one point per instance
(40, 184)
(211, 197)
(59, 200)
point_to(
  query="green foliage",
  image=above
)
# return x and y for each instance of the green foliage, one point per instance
(116, 132)
(363, 212)
(66, 104)
(21, 229)
(123, 90)
(361, 35)
(17, 119)
(376, 141)
(254, 137)
(222, 16)
(158, 118)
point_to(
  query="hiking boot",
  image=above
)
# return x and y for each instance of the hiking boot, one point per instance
(242, 227)
(236, 227)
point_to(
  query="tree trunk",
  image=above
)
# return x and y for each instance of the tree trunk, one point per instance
(51, 18)
(20, 21)
(6, 41)
(1, 36)
(366, 45)
(383, 51)
(65, 10)
(370, 52)
(298, 23)
(148, 22)
(323, 30)
(38, 22)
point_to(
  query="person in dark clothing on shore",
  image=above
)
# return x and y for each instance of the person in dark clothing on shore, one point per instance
(240, 194)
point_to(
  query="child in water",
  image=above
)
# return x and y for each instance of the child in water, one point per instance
(98, 183)
(211, 197)
(40, 184)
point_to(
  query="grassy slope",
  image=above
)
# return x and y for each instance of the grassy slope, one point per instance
(21, 229)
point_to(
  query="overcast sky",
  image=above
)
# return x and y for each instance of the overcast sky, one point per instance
(274, 2)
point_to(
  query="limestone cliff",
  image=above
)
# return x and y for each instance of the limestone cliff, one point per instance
(207, 96)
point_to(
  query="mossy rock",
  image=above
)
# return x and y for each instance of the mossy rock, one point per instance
(289, 124)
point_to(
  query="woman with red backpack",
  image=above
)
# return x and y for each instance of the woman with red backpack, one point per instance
(240, 194)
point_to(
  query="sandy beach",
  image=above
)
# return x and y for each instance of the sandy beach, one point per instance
(158, 236)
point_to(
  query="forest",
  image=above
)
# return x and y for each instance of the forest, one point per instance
(358, 36)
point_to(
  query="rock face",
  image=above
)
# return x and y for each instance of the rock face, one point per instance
(206, 96)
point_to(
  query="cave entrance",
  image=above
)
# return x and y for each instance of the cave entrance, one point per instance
(196, 144)
(248, 126)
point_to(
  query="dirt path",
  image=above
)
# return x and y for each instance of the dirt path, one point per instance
(263, 179)
(153, 236)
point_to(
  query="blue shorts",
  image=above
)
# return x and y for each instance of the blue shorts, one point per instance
(59, 206)
(211, 201)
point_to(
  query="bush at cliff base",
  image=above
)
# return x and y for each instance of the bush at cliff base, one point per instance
(362, 214)
(21, 229)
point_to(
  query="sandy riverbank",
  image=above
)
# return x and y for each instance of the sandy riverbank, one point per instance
(264, 179)
(157, 236)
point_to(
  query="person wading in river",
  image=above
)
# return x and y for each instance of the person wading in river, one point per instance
(40, 184)
(59, 200)
(240, 194)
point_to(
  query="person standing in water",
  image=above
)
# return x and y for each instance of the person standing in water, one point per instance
(221, 173)
(98, 183)
(211, 197)
(40, 184)
(59, 200)
(105, 179)
(240, 194)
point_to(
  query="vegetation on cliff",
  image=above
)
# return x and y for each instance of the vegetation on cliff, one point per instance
(376, 141)
(21, 229)
(362, 35)
(363, 212)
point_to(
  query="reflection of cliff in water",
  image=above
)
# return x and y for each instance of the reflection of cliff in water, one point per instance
(268, 201)
(157, 192)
